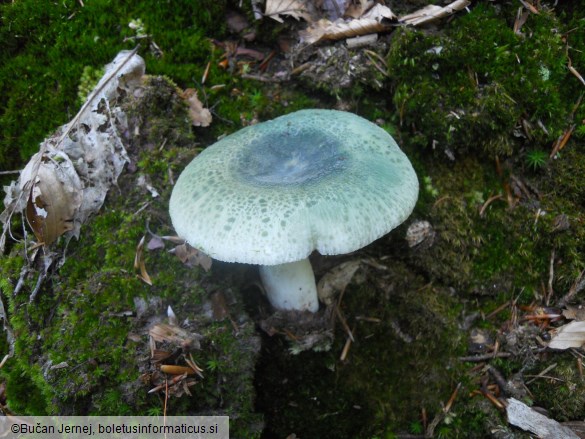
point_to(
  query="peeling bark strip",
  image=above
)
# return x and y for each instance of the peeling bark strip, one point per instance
(68, 179)
(522, 416)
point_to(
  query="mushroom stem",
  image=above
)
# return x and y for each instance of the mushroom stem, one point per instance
(291, 286)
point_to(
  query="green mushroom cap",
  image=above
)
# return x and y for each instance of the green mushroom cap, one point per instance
(273, 192)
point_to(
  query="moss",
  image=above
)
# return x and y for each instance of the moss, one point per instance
(76, 345)
(480, 89)
(562, 390)
(500, 248)
(46, 47)
(89, 79)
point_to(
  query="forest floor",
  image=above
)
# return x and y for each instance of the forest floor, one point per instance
(474, 301)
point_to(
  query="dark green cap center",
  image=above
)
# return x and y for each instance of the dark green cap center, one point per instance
(292, 156)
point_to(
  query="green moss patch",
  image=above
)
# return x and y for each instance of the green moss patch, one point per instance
(464, 95)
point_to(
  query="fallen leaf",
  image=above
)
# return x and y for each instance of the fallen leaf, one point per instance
(155, 243)
(139, 263)
(55, 195)
(375, 20)
(335, 281)
(200, 116)
(432, 12)
(574, 313)
(295, 8)
(192, 257)
(357, 9)
(175, 335)
(571, 335)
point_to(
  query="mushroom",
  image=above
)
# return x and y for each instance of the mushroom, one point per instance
(272, 193)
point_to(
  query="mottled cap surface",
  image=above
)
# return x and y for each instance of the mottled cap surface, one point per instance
(273, 192)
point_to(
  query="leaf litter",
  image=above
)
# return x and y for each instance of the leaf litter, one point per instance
(339, 19)
(171, 345)
(66, 182)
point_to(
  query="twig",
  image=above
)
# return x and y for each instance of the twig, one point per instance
(489, 201)
(345, 350)
(499, 379)
(551, 275)
(166, 397)
(579, 365)
(378, 62)
(495, 401)
(452, 399)
(577, 286)
(343, 322)
(262, 78)
(47, 262)
(368, 319)
(498, 309)
(576, 106)
(530, 7)
(440, 200)
(430, 431)
(542, 374)
(576, 74)
(562, 141)
(485, 357)
(205, 73)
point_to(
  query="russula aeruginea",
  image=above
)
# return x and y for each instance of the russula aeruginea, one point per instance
(272, 193)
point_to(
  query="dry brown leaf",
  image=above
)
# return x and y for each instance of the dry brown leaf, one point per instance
(163, 332)
(55, 195)
(192, 257)
(200, 116)
(574, 313)
(375, 20)
(432, 12)
(173, 334)
(357, 9)
(571, 335)
(335, 281)
(139, 263)
(294, 8)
